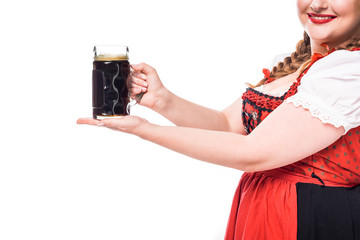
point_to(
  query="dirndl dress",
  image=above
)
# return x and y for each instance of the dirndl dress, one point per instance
(318, 197)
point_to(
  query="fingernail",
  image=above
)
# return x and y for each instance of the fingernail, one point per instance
(100, 124)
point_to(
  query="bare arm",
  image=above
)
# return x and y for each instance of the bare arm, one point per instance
(187, 114)
(178, 110)
(287, 135)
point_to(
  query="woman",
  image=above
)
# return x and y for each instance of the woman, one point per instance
(301, 163)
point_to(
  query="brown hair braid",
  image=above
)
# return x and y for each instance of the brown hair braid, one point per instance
(291, 63)
(299, 59)
(355, 43)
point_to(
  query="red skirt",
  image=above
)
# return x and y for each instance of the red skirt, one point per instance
(265, 206)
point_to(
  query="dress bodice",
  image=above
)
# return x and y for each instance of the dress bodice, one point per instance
(339, 162)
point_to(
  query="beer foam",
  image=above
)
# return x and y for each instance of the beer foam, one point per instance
(111, 57)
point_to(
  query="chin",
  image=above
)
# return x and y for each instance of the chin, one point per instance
(320, 38)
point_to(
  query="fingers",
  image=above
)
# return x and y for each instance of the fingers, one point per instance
(89, 121)
(138, 75)
(141, 76)
(110, 123)
(138, 79)
(136, 89)
(137, 83)
(127, 124)
(143, 67)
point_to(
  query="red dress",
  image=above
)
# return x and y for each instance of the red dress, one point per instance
(265, 205)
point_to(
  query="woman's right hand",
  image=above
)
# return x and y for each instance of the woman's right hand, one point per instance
(144, 79)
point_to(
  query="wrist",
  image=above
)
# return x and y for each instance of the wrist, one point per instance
(144, 131)
(163, 101)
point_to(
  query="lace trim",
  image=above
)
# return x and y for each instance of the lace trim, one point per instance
(319, 110)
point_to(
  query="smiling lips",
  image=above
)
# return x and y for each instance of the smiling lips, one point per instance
(320, 18)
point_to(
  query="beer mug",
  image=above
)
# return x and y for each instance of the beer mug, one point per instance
(110, 94)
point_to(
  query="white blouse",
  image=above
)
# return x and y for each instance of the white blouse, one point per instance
(330, 90)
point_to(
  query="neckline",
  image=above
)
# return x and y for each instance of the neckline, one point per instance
(281, 94)
(314, 58)
(278, 97)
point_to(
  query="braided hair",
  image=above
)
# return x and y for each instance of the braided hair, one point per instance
(299, 59)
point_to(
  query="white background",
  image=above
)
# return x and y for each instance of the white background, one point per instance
(59, 180)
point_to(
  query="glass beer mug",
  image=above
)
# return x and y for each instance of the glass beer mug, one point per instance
(110, 94)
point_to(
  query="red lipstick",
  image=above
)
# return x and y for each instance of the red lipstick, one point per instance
(320, 18)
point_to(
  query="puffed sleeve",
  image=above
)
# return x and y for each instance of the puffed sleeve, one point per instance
(330, 90)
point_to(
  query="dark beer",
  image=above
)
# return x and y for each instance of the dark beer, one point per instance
(110, 95)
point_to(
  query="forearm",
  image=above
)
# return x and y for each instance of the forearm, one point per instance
(187, 114)
(179, 111)
(286, 136)
(221, 148)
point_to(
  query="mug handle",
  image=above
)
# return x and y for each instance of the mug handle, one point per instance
(134, 101)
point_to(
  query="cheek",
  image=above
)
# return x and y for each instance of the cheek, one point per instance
(349, 7)
(302, 5)
(302, 8)
(299, 5)
(349, 11)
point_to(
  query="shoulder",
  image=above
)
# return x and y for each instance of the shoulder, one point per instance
(338, 71)
(337, 63)
(330, 89)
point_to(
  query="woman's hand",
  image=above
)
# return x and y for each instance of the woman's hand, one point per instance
(144, 79)
(127, 124)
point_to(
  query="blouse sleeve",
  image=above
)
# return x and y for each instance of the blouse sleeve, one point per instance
(331, 90)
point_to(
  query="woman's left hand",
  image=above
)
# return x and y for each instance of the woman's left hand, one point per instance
(127, 124)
